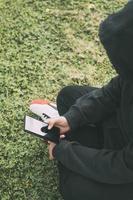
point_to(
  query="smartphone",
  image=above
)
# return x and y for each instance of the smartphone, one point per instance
(40, 129)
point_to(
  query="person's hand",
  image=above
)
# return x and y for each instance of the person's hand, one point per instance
(51, 145)
(59, 122)
(63, 125)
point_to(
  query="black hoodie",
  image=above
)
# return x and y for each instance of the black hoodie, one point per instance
(114, 163)
(116, 35)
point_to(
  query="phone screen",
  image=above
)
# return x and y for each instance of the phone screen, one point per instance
(34, 126)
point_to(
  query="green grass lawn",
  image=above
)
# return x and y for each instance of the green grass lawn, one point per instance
(44, 45)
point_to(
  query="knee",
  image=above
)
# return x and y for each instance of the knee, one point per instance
(64, 93)
(64, 99)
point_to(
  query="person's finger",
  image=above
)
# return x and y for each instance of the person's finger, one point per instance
(62, 131)
(51, 124)
(62, 136)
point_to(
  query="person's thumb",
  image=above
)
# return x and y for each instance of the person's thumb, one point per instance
(51, 124)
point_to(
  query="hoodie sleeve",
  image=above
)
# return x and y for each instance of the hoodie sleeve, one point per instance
(102, 165)
(95, 106)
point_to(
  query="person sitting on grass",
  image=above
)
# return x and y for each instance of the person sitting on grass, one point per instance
(95, 159)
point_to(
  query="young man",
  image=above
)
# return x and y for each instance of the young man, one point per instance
(96, 158)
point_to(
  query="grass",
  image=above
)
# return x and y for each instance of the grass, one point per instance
(44, 45)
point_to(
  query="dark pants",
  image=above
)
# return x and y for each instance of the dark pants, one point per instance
(72, 185)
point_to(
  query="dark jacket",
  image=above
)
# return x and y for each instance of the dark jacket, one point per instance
(114, 163)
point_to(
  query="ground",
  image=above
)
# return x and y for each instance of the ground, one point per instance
(44, 46)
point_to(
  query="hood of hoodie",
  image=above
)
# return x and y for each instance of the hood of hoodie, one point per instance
(116, 35)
